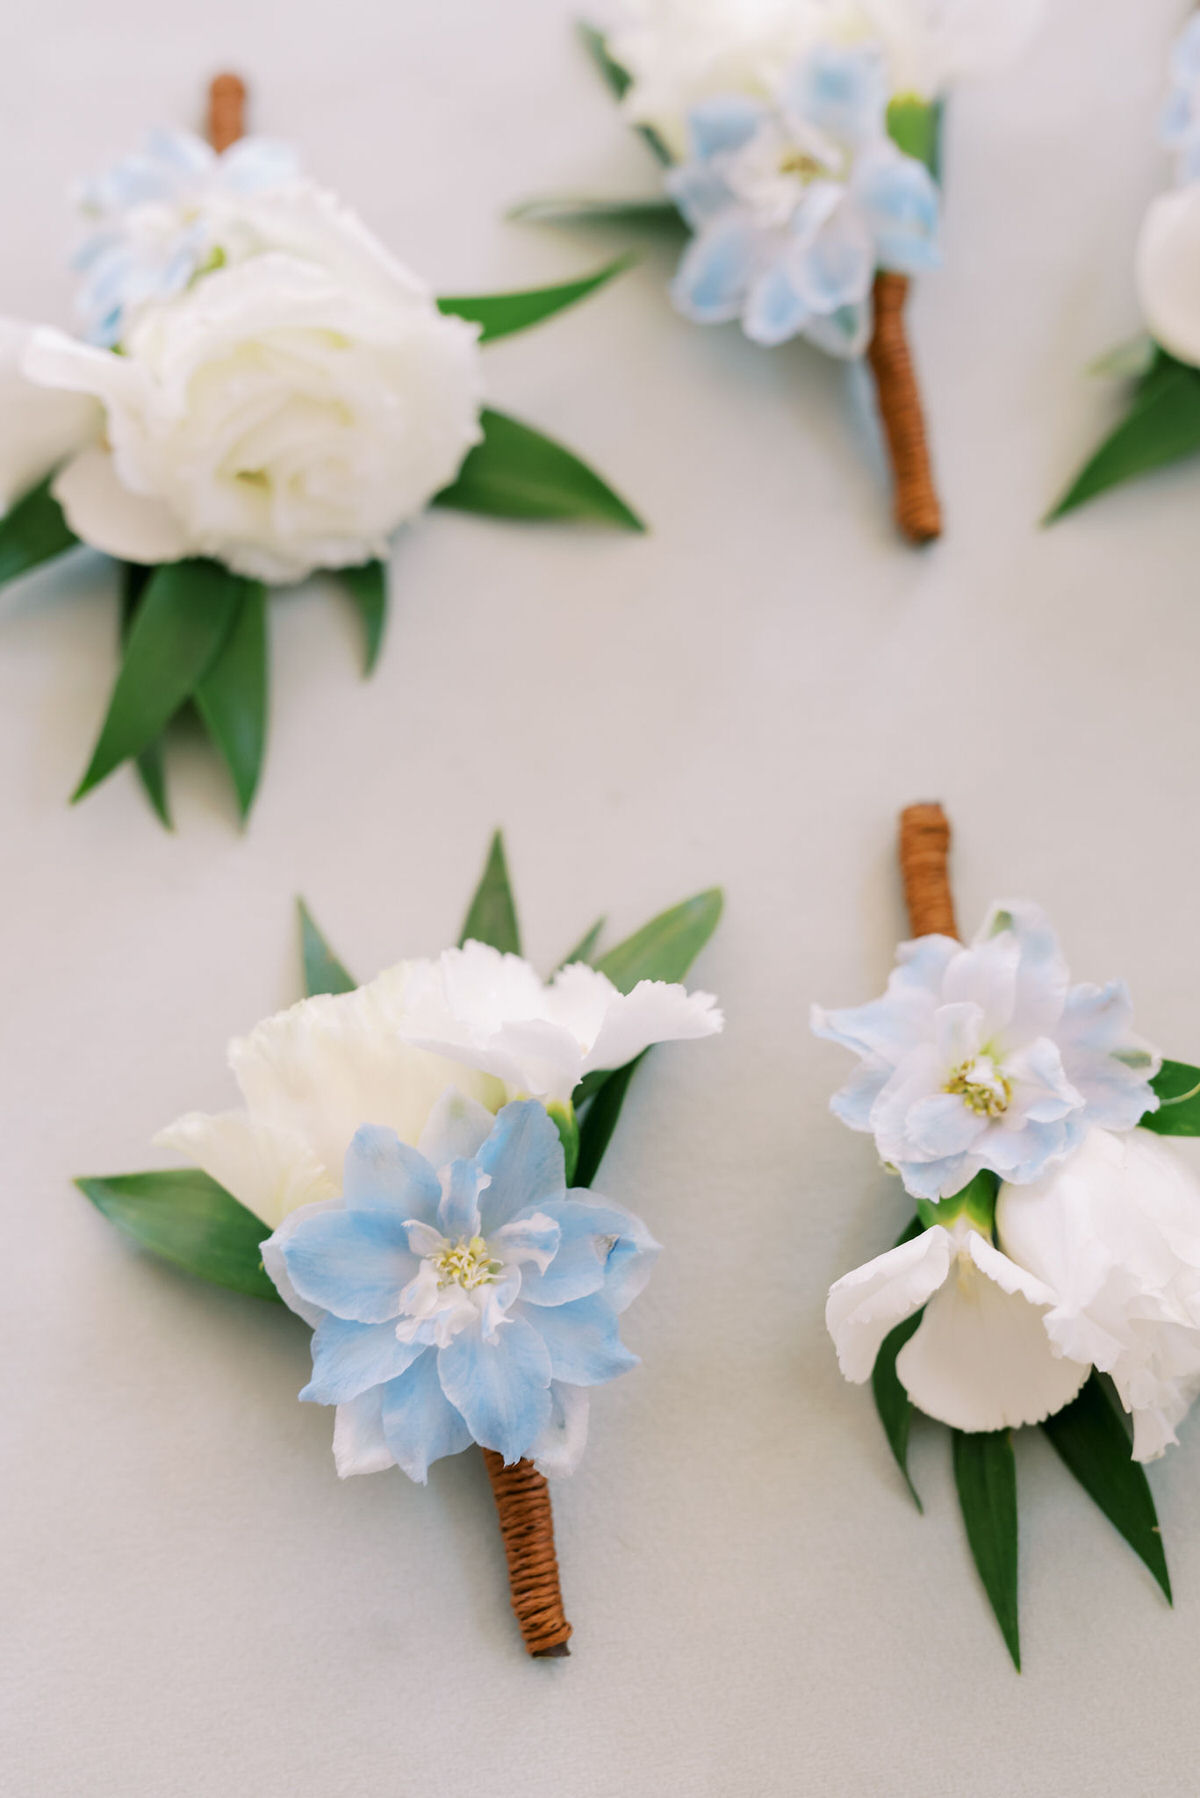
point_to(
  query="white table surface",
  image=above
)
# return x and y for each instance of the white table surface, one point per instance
(195, 1606)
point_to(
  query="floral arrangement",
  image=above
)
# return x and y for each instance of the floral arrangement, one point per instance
(800, 146)
(1162, 422)
(263, 392)
(411, 1170)
(1051, 1274)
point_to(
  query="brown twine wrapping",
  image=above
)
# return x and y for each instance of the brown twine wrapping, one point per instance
(527, 1527)
(917, 510)
(226, 111)
(924, 864)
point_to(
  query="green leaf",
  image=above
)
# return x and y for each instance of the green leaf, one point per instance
(567, 1124)
(600, 1120)
(187, 1218)
(618, 80)
(368, 588)
(516, 472)
(1091, 1439)
(915, 127)
(985, 1472)
(591, 209)
(1162, 426)
(492, 914)
(151, 763)
(583, 948)
(33, 531)
(891, 1399)
(666, 947)
(231, 697)
(323, 972)
(180, 627)
(1178, 1089)
(500, 314)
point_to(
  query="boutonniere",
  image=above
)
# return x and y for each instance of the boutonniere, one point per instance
(263, 392)
(799, 144)
(411, 1171)
(1162, 421)
(1051, 1275)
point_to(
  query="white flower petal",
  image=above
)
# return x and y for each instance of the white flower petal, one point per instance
(39, 427)
(457, 1129)
(269, 1171)
(559, 1449)
(864, 1306)
(1167, 269)
(109, 517)
(652, 1013)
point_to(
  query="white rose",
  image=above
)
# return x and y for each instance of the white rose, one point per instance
(1167, 270)
(309, 1077)
(287, 412)
(1115, 1231)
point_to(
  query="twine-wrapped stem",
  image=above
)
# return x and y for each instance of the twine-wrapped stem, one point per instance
(527, 1528)
(226, 111)
(917, 510)
(924, 865)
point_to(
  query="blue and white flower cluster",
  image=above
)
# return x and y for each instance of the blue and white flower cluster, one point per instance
(461, 1294)
(153, 219)
(986, 1058)
(795, 204)
(1180, 128)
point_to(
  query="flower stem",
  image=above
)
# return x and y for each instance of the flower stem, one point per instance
(527, 1528)
(917, 510)
(924, 865)
(226, 111)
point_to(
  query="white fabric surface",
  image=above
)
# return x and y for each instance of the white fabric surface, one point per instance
(194, 1605)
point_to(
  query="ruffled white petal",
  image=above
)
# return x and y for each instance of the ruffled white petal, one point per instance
(270, 1171)
(39, 427)
(134, 527)
(864, 1306)
(980, 1359)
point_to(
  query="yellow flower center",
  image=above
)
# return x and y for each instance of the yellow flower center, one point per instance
(467, 1263)
(981, 1086)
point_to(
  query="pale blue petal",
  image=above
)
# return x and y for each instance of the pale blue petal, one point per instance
(385, 1175)
(855, 1101)
(937, 1179)
(586, 1234)
(502, 1388)
(1041, 1091)
(718, 267)
(774, 310)
(255, 164)
(355, 1264)
(585, 1348)
(901, 205)
(1185, 54)
(1019, 1156)
(841, 91)
(458, 1212)
(419, 1422)
(181, 152)
(1039, 981)
(834, 265)
(701, 193)
(456, 1127)
(348, 1358)
(843, 333)
(532, 1236)
(724, 123)
(942, 1125)
(359, 1444)
(524, 1158)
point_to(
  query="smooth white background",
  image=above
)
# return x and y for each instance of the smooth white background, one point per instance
(194, 1605)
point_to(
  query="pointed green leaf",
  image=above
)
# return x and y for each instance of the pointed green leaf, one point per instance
(1091, 1438)
(516, 472)
(500, 314)
(985, 1472)
(187, 1218)
(600, 1120)
(583, 948)
(231, 697)
(1178, 1089)
(151, 763)
(368, 588)
(591, 209)
(33, 531)
(617, 79)
(666, 947)
(891, 1399)
(915, 127)
(492, 914)
(181, 624)
(1162, 426)
(323, 972)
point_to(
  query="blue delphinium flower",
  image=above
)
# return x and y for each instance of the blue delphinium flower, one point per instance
(153, 232)
(796, 205)
(467, 1297)
(1180, 127)
(985, 1057)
